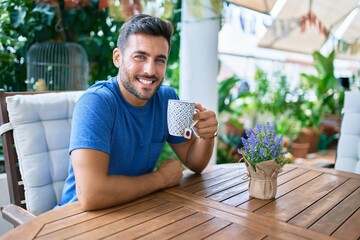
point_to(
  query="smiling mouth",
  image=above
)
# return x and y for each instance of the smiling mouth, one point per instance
(146, 80)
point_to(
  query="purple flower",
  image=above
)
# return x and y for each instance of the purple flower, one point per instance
(267, 140)
(248, 133)
(247, 148)
(271, 129)
(253, 141)
(262, 144)
(258, 128)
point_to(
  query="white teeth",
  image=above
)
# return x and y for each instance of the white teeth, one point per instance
(145, 81)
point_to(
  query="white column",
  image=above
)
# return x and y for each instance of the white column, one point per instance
(199, 57)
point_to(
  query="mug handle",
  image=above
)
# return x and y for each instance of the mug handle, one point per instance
(194, 122)
(188, 131)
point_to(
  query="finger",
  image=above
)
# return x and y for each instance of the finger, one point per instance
(206, 132)
(207, 122)
(198, 106)
(204, 115)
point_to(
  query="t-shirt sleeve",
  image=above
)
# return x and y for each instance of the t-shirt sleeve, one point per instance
(91, 123)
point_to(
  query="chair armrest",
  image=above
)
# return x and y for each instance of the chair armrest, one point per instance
(15, 214)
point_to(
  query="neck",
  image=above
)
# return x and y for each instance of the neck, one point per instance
(129, 97)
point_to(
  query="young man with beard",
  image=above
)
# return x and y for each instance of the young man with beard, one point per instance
(119, 126)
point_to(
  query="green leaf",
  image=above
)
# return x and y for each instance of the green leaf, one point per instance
(225, 87)
(46, 12)
(17, 17)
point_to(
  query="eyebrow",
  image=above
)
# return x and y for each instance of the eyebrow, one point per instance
(145, 53)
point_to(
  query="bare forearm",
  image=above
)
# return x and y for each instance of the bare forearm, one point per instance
(95, 189)
(199, 154)
(113, 190)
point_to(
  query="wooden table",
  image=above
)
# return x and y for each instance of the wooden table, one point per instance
(310, 204)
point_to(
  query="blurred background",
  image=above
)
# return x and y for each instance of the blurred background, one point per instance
(282, 61)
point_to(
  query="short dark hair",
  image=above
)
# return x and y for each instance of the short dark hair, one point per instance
(142, 23)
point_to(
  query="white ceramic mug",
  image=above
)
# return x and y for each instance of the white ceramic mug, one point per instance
(180, 117)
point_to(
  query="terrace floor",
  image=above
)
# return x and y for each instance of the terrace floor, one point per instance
(318, 159)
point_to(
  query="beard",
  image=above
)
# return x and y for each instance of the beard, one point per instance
(130, 84)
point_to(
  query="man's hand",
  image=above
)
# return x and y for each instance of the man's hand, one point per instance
(170, 172)
(207, 125)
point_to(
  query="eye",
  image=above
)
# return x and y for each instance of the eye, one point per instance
(161, 61)
(139, 56)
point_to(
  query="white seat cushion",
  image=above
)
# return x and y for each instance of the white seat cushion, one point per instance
(348, 151)
(41, 124)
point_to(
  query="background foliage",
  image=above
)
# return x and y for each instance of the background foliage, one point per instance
(24, 23)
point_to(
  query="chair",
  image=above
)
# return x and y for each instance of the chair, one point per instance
(348, 150)
(35, 129)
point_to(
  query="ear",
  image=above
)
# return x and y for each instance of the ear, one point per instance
(116, 57)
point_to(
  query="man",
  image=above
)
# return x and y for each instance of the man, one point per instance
(119, 126)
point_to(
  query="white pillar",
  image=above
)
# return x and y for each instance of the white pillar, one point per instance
(199, 57)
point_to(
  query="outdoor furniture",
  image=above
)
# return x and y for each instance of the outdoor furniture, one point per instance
(35, 130)
(348, 150)
(311, 203)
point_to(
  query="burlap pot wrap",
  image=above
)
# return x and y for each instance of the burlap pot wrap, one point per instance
(263, 182)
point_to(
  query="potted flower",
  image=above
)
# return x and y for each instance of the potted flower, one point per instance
(264, 159)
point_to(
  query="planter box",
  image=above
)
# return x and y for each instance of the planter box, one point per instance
(4, 199)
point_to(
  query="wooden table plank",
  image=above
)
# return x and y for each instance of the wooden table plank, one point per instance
(236, 194)
(234, 198)
(179, 227)
(154, 224)
(257, 222)
(329, 171)
(240, 198)
(207, 228)
(229, 187)
(212, 182)
(30, 229)
(235, 231)
(128, 222)
(221, 187)
(190, 178)
(86, 216)
(270, 238)
(310, 215)
(338, 215)
(231, 196)
(290, 175)
(288, 206)
(350, 229)
(255, 204)
(85, 226)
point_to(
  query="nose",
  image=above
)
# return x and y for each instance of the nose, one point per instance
(149, 68)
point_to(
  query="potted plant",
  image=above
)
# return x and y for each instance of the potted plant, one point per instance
(263, 154)
(288, 126)
(231, 126)
(325, 96)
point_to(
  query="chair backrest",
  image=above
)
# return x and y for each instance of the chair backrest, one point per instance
(36, 138)
(348, 150)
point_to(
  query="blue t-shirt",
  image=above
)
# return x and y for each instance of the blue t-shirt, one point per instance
(132, 136)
